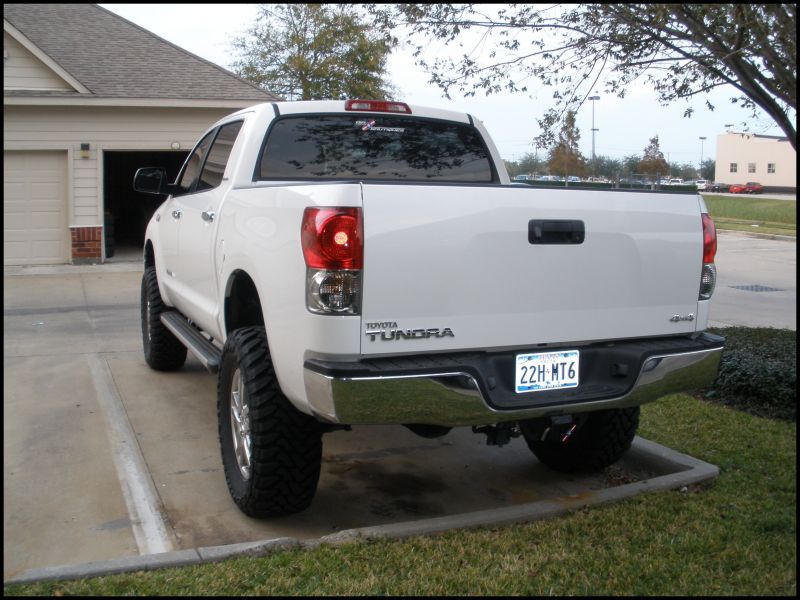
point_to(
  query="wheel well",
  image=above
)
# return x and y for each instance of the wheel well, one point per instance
(242, 305)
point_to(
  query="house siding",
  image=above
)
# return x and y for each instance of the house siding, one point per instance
(23, 71)
(103, 128)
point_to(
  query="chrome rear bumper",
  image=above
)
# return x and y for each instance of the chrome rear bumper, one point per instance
(455, 397)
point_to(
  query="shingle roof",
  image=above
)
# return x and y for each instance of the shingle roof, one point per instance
(115, 58)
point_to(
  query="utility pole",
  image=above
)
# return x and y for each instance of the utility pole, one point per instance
(593, 98)
(702, 139)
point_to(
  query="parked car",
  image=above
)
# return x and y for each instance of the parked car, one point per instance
(523, 178)
(573, 179)
(718, 186)
(701, 184)
(255, 262)
(751, 187)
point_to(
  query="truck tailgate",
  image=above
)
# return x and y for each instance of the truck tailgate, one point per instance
(461, 258)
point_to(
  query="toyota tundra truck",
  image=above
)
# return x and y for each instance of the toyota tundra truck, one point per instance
(357, 262)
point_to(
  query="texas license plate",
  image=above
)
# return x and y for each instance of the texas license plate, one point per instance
(547, 371)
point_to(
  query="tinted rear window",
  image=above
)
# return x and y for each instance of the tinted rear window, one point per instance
(374, 147)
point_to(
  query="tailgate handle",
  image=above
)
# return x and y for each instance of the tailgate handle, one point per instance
(556, 231)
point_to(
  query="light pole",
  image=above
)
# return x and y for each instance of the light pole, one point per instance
(702, 139)
(593, 98)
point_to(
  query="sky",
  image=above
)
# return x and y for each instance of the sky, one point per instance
(624, 126)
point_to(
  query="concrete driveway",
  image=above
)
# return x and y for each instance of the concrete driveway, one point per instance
(756, 282)
(105, 458)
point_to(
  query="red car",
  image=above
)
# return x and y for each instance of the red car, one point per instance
(751, 187)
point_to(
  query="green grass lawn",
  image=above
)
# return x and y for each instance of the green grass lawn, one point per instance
(748, 213)
(737, 537)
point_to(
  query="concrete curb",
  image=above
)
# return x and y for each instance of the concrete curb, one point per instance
(761, 236)
(689, 471)
(150, 562)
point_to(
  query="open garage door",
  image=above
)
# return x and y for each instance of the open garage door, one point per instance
(127, 212)
(35, 208)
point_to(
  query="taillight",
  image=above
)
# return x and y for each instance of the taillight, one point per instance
(708, 276)
(333, 249)
(377, 106)
(709, 239)
(331, 238)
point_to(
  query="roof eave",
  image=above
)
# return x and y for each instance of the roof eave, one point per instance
(91, 100)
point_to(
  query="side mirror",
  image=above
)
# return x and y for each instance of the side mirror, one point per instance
(152, 180)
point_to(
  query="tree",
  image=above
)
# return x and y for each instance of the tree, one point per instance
(683, 50)
(531, 164)
(314, 52)
(707, 170)
(653, 162)
(630, 164)
(607, 167)
(686, 171)
(512, 168)
(565, 158)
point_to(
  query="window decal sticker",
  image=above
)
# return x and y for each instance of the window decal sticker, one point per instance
(370, 126)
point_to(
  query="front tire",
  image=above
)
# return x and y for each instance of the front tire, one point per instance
(271, 452)
(600, 441)
(162, 350)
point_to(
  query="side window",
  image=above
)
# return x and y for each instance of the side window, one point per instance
(192, 168)
(218, 156)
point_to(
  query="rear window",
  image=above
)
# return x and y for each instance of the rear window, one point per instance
(374, 147)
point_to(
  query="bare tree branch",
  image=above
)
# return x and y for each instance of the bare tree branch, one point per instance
(684, 50)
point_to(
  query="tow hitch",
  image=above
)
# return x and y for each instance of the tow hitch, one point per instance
(500, 434)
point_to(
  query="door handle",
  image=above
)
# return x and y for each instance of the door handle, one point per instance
(555, 231)
(176, 214)
(208, 215)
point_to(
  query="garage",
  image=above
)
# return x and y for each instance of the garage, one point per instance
(127, 212)
(35, 208)
(82, 110)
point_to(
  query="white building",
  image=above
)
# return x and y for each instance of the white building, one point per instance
(767, 159)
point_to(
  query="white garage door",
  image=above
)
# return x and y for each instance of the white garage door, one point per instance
(35, 208)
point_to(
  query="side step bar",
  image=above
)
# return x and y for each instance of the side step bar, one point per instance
(206, 352)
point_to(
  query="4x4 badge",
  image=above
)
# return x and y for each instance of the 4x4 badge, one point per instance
(676, 318)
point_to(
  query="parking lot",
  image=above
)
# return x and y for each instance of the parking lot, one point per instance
(104, 457)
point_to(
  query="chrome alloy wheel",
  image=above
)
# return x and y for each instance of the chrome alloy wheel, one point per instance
(240, 425)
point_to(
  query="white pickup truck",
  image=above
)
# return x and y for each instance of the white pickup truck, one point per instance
(369, 262)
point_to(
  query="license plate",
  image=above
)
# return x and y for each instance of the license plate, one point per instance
(547, 371)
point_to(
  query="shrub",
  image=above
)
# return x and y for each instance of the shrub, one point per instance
(758, 372)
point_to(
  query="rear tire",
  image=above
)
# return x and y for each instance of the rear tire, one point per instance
(271, 452)
(601, 441)
(162, 350)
